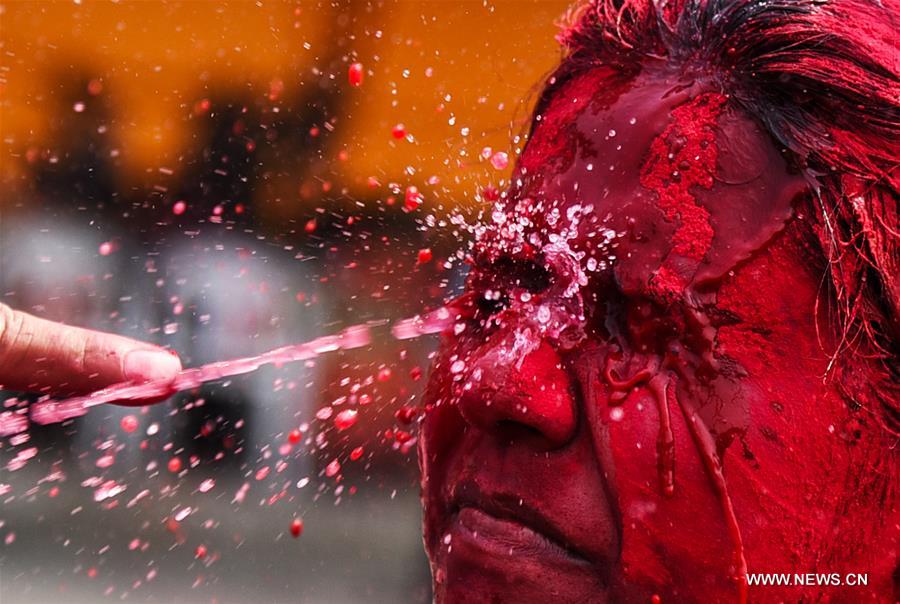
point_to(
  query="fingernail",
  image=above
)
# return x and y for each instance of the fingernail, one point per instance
(146, 365)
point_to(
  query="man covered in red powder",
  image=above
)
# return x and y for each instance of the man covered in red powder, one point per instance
(674, 365)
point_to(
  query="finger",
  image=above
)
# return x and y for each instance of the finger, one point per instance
(43, 356)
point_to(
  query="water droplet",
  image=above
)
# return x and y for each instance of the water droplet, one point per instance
(543, 314)
(424, 256)
(129, 423)
(355, 74)
(413, 199)
(345, 419)
(406, 414)
(332, 468)
(207, 485)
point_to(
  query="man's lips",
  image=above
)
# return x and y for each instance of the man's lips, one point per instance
(504, 524)
(505, 538)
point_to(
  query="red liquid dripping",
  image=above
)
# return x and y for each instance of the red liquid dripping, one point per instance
(706, 447)
(660, 385)
(661, 382)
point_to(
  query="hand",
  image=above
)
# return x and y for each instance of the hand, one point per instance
(37, 355)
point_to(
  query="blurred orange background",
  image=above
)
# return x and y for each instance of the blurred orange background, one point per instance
(457, 75)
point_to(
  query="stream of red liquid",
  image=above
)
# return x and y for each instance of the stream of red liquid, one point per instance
(356, 336)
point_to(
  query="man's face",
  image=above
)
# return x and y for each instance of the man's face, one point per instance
(631, 403)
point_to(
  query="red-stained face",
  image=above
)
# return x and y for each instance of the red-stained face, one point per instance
(632, 402)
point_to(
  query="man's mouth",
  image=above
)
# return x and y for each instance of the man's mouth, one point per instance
(504, 526)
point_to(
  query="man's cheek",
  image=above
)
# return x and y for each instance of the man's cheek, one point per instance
(441, 432)
(785, 485)
(669, 542)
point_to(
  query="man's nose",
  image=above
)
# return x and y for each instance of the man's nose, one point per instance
(535, 394)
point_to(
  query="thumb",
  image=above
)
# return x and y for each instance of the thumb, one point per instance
(43, 356)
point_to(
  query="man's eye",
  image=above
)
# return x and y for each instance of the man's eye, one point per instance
(521, 274)
(492, 301)
(496, 284)
(493, 286)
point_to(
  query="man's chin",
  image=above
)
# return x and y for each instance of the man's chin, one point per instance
(513, 581)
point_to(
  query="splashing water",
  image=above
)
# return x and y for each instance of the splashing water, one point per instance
(356, 336)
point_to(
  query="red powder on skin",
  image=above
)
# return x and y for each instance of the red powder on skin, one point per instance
(683, 157)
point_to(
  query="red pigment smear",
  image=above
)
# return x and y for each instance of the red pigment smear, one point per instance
(684, 156)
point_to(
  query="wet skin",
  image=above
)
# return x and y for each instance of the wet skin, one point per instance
(659, 424)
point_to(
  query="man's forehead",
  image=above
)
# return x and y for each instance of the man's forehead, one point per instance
(688, 184)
